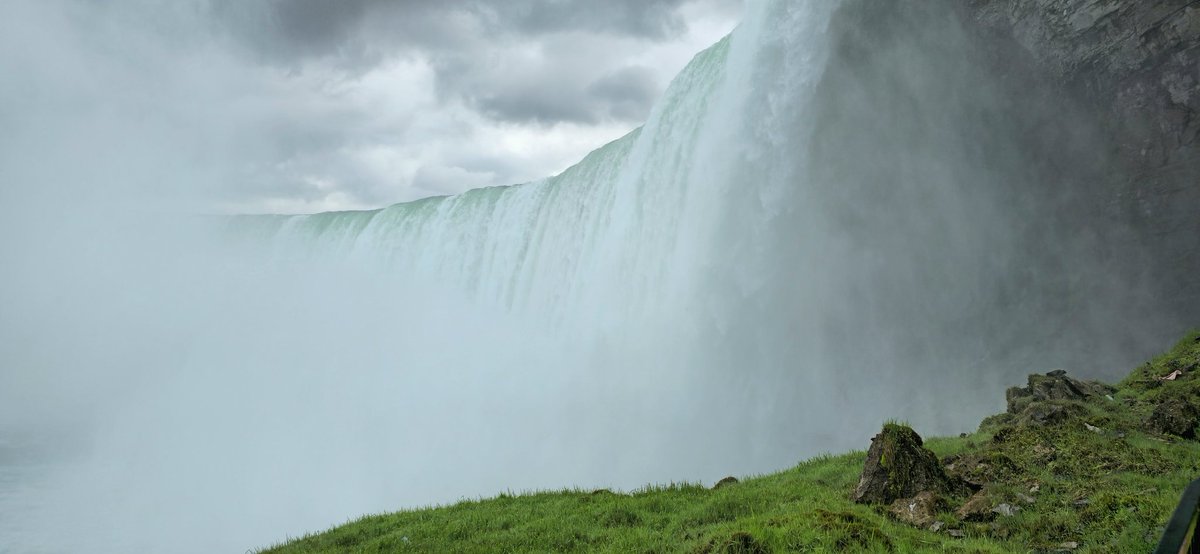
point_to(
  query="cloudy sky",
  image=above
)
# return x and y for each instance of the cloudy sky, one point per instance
(310, 105)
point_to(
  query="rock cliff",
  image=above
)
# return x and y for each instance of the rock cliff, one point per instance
(1136, 65)
(1040, 165)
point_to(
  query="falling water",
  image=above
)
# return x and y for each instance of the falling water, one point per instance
(826, 222)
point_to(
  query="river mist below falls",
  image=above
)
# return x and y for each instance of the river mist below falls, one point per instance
(840, 214)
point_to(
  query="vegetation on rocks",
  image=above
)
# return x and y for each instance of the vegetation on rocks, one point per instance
(1073, 466)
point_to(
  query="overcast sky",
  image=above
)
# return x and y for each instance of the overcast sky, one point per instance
(311, 105)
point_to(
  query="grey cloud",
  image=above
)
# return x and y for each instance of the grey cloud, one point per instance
(466, 41)
(262, 100)
(627, 93)
(437, 180)
(538, 104)
(287, 30)
(652, 19)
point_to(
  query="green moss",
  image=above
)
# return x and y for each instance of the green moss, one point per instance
(1109, 491)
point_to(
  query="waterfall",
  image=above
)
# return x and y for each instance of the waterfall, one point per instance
(636, 260)
(839, 214)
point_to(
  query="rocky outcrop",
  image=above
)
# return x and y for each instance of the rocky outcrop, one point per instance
(1054, 385)
(1050, 399)
(899, 466)
(1056, 136)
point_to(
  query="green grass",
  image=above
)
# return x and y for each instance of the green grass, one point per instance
(1108, 491)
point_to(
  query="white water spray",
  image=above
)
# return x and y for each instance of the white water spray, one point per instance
(727, 290)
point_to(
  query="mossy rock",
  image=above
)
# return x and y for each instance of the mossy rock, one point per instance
(899, 466)
(1054, 385)
(1175, 415)
(1049, 413)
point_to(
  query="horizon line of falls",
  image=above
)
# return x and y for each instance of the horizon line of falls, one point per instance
(838, 215)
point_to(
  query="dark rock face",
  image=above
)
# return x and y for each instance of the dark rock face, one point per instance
(1175, 416)
(1055, 385)
(1136, 63)
(1034, 162)
(899, 466)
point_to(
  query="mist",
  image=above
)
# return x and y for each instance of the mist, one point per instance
(841, 214)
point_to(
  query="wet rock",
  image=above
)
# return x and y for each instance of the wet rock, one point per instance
(1055, 385)
(731, 480)
(1175, 416)
(899, 466)
(977, 508)
(920, 510)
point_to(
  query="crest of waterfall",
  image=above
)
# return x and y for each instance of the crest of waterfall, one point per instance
(638, 258)
(623, 236)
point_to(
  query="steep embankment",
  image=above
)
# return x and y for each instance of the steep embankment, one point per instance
(1073, 466)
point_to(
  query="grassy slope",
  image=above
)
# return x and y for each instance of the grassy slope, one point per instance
(1110, 492)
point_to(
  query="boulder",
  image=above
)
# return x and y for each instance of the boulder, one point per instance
(1175, 416)
(899, 466)
(920, 510)
(1136, 62)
